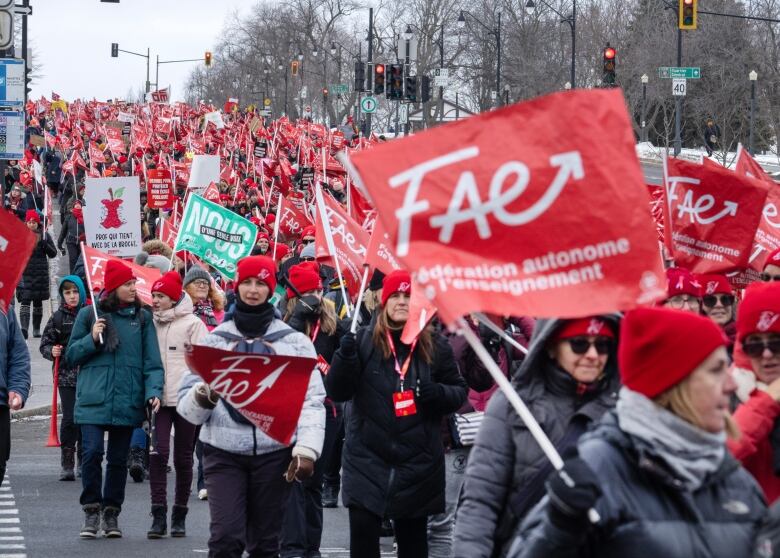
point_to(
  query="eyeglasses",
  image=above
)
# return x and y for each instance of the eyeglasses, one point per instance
(581, 345)
(682, 300)
(766, 277)
(200, 283)
(756, 348)
(710, 301)
(306, 259)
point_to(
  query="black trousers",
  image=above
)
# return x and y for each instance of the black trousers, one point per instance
(247, 499)
(5, 439)
(331, 457)
(411, 534)
(69, 432)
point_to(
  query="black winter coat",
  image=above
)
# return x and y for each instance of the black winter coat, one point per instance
(393, 466)
(54, 335)
(647, 513)
(70, 232)
(35, 279)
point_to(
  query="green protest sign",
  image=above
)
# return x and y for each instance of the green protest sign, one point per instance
(215, 234)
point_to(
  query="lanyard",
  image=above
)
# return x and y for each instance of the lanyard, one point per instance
(401, 370)
(315, 332)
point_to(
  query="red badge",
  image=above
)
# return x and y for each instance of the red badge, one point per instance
(404, 403)
(322, 365)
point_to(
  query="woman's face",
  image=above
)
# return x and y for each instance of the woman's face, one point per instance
(161, 302)
(313, 292)
(32, 225)
(397, 307)
(719, 308)
(766, 365)
(253, 291)
(126, 292)
(263, 244)
(710, 387)
(584, 367)
(200, 289)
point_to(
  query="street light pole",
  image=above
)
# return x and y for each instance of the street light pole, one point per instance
(753, 76)
(441, 66)
(678, 102)
(643, 134)
(407, 65)
(498, 61)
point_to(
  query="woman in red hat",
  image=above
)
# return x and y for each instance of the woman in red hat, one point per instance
(656, 470)
(718, 303)
(393, 456)
(34, 287)
(684, 290)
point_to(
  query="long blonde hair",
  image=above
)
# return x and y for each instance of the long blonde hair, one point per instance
(328, 320)
(677, 400)
(381, 329)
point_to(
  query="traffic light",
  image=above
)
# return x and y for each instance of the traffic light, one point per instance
(294, 67)
(360, 76)
(114, 50)
(425, 89)
(608, 80)
(207, 59)
(324, 92)
(688, 12)
(410, 89)
(379, 79)
(395, 85)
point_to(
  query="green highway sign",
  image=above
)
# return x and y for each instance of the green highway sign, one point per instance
(339, 89)
(667, 72)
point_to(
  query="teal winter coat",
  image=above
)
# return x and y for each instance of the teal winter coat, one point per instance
(113, 387)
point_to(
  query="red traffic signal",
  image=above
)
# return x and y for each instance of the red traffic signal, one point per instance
(609, 53)
(379, 68)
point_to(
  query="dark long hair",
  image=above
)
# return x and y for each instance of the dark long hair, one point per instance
(381, 329)
(111, 303)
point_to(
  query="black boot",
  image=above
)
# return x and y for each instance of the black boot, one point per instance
(67, 461)
(24, 319)
(159, 526)
(91, 521)
(136, 465)
(330, 496)
(178, 515)
(37, 316)
(111, 528)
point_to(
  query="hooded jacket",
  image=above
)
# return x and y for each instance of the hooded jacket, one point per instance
(506, 460)
(58, 330)
(14, 358)
(35, 279)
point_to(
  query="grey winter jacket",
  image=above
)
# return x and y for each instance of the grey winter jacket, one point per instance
(221, 431)
(505, 459)
(647, 513)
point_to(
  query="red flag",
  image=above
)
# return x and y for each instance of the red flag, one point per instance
(379, 253)
(160, 188)
(16, 245)
(421, 312)
(168, 232)
(96, 155)
(211, 193)
(95, 267)
(292, 221)
(269, 390)
(534, 209)
(710, 215)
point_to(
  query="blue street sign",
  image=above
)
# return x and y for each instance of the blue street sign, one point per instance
(11, 82)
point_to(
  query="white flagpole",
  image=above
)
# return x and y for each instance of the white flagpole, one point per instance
(362, 291)
(331, 245)
(276, 225)
(503, 334)
(86, 262)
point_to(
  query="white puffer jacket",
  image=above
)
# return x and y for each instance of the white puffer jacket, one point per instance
(221, 431)
(176, 328)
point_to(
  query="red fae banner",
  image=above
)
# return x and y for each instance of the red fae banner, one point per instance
(535, 209)
(379, 253)
(16, 244)
(159, 187)
(95, 267)
(710, 215)
(269, 390)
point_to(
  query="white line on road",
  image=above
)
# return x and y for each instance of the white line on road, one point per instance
(10, 530)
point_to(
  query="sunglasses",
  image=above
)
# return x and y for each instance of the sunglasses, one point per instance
(581, 345)
(307, 241)
(756, 348)
(710, 301)
(766, 277)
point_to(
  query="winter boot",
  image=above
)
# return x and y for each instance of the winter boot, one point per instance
(91, 521)
(330, 496)
(136, 466)
(111, 528)
(37, 316)
(178, 515)
(24, 319)
(159, 528)
(67, 461)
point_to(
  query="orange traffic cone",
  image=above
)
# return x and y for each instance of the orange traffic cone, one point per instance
(54, 437)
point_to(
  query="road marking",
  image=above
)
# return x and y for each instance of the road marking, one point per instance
(11, 538)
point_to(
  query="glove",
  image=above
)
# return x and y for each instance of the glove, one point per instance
(300, 468)
(348, 344)
(428, 392)
(573, 491)
(205, 397)
(62, 251)
(490, 339)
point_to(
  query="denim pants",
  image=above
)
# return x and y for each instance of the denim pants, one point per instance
(441, 527)
(94, 491)
(139, 439)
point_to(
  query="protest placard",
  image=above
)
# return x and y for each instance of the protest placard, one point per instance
(111, 223)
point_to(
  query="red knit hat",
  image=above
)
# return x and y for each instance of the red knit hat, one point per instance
(681, 281)
(760, 310)
(772, 259)
(303, 278)
(261, 267)
(659, 347)
(281, 251)
(32, 215)
(399, 281)
(270, 218)
(117, 274)
(308, 231)
(714, 284)
(169, 285)
(593, 325)
(262, 234)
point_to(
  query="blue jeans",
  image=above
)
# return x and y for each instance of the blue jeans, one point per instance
(139, 438)
(113, 491)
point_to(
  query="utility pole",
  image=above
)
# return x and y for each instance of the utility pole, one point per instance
(678, 101)
(407, 71)
(370, 60)
(27, 61)
(441, 65)
(498, 61)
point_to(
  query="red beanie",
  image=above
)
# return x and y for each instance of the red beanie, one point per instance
(169, 285)
(303, 278)
(117, 274)
(399, 281)
(262, 234)
(281, 250)
(308, 231)
(760, 310)
(261, 267)
(773, 259)
(594, 325)
(659, 347)
(270, 218)
(32, 215)
(681, 281)
(714, 284)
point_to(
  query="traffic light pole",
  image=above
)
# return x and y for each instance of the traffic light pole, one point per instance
(678, 101)
(370, 59)
(406, 73)
(27, 61)
(157, 72)
(142, 56)
(441, 65)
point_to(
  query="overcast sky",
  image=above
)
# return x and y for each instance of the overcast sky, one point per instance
(72, 40)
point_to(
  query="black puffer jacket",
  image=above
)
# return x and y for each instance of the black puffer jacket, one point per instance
(393, 466)
(35, 279)
(647, 513)
(58, 330)
(71, 229)
(506, 460)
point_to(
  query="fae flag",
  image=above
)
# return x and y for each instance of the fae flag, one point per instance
(216, 235)
(95, 267)
(16, 245)
(534, 209)
(269, 390)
